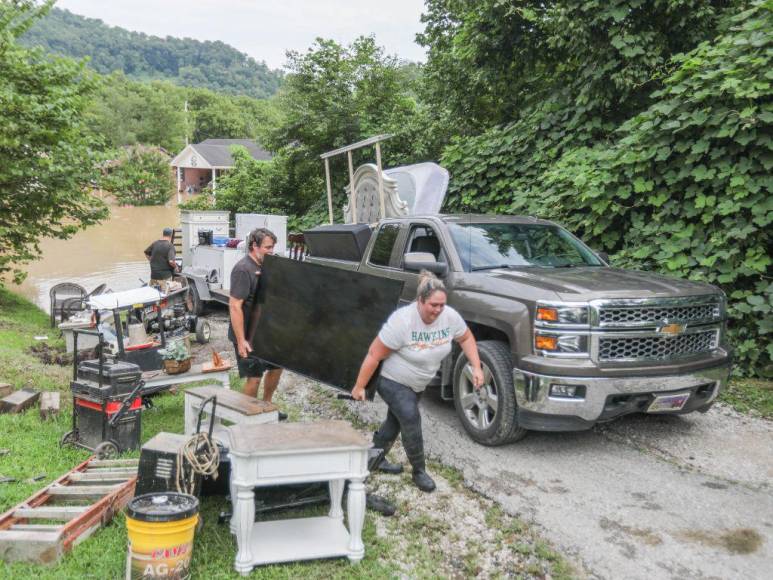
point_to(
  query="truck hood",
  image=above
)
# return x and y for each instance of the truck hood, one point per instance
(590, 283)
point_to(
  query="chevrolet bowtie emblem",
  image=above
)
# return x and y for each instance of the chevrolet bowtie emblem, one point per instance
(672, 329)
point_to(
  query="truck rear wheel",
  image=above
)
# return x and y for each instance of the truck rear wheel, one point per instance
(489, 414)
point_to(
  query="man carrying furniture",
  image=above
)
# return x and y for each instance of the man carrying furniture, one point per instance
(244, 308)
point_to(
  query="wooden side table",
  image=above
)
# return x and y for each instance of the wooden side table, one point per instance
(285, 453)
(231, 406)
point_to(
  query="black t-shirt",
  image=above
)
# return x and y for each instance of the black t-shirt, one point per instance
(160, 252)
(247, 280)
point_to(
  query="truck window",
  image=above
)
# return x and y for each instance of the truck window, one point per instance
(384, 244)
(424, 239)
(484, 246)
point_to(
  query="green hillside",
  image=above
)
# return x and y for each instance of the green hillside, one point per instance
(212, 65)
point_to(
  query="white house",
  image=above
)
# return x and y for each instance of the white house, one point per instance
(199, 164)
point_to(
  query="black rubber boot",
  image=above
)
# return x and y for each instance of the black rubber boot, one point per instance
(380, 504)
(423, 481)
(387, 467)
(420, 476)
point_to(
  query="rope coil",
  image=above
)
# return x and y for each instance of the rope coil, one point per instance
(200, 455)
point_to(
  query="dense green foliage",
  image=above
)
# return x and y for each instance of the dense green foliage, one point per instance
(139, 176)
(188, 62)
(591, 63)
(681, 186)
(46, 154)
(126, 112)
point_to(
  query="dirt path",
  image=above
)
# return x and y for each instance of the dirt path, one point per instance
(643, 497)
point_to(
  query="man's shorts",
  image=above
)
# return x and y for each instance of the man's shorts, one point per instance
(252, 366)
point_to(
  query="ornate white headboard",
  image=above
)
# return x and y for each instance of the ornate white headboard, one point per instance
(408, 190)
(367, 199)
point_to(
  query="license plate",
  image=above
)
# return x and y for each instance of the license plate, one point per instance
(665, 403)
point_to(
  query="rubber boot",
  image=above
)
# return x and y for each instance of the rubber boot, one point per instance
(380, 462)
(420, 477)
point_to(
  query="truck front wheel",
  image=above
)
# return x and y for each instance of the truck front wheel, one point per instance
(488, 414)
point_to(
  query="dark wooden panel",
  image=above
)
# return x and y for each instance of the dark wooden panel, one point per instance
(319, 321)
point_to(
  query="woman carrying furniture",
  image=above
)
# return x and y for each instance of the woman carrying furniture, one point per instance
(412, 344)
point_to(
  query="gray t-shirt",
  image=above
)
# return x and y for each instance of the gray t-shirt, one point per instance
(419, 348)
(160, 253)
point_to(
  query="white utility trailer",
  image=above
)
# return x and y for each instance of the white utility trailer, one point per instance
(207, 267)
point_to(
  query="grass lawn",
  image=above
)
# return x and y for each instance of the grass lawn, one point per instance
(750, 395)
(407, 545)
(33, 449)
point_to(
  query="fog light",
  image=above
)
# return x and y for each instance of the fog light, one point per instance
(546, 342)
(567, 391)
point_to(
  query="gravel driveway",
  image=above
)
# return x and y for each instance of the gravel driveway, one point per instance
(642, 497)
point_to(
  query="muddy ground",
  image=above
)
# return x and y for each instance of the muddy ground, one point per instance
(642, 497)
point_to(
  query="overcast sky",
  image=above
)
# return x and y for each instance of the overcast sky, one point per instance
(266, 29)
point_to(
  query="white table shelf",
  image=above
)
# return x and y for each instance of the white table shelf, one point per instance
(284, 453)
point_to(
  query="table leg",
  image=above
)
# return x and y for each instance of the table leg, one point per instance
(233, 492)
(355, 506)
(244, 514)
(190, 421)
(227, 380)
(336, 493)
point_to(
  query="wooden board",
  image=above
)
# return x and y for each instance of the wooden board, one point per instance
(49, 404)
(234, 400)
(210, 368)
(18, 401)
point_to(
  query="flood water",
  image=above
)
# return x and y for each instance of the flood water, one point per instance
(110, 253)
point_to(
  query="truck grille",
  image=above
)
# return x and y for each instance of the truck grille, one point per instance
(657, 347)
(614, 316)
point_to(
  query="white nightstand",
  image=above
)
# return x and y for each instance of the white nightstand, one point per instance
(285, 453)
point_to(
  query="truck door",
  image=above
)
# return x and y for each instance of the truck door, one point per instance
(422, 237)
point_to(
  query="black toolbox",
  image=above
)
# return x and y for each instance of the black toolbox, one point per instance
(107, 404)
(108, 379)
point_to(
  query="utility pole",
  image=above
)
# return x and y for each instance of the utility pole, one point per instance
(186, 122)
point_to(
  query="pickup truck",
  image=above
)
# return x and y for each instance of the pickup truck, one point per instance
(566, 340)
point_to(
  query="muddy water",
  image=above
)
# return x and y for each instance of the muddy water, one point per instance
(111, 253)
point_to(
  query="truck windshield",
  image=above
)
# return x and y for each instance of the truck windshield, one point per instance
(483, 246)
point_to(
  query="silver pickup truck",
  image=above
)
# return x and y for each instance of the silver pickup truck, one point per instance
(566, 340)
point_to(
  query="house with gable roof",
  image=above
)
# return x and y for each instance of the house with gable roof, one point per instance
(200, 164)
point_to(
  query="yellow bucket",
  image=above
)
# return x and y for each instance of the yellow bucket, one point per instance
(161, 528)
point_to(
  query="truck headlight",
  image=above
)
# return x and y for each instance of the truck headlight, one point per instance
(561, 343)
(558, 315)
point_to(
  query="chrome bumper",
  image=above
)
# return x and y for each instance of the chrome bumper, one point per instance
(532, 391)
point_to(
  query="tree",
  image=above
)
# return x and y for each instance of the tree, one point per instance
(47, 158)
(139, 176)
(335, 95)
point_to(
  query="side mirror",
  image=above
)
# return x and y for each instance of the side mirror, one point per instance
(417, 261)
(604, 256)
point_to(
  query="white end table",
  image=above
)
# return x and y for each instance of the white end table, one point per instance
(285, 453)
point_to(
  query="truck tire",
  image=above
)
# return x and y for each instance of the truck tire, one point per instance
(488, 415)
(195, 303)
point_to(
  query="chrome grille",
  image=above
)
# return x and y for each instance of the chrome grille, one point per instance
(657, 347)
(641, 315)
